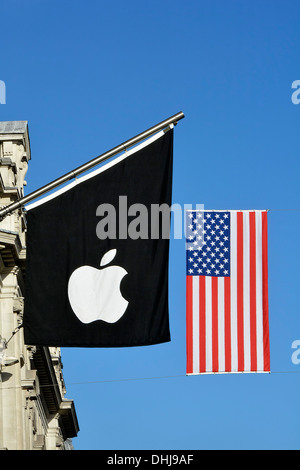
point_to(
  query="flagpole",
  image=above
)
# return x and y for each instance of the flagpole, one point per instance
(86, 166)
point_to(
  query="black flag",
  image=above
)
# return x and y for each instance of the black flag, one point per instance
(97, 255)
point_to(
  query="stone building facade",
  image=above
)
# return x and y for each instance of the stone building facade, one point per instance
(34, 413)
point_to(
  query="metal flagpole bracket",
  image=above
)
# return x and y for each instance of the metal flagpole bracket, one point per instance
(87, 166)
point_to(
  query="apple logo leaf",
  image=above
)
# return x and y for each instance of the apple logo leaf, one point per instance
(108, 257)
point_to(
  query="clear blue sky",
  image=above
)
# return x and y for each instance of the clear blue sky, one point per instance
(88, 75)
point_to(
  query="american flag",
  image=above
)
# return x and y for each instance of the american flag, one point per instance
(227, 324)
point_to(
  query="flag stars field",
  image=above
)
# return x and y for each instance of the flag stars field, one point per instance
(210, 245)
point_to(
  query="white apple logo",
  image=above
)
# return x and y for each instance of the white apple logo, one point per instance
(94, 294)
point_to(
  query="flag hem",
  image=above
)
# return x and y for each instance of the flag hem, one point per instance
(98, 171)
(231, 372)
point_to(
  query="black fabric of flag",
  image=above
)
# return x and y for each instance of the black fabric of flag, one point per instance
(70, 271)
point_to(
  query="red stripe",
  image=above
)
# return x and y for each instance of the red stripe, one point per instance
(227, 327)
(214, 288)
(189, 324)
(252, 238)
(202, 360)
(240, 292)
(265, 291)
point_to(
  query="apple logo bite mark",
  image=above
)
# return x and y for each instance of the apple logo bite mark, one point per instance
(94, 294)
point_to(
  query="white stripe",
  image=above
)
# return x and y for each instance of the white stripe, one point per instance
(233, 290)
(259, 298)
(96, 172)
(221, 328)
(196, 333)
(235, 372)
(246, 290)
(208, 323)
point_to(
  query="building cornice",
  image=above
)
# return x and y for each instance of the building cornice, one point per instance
(51, 394)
